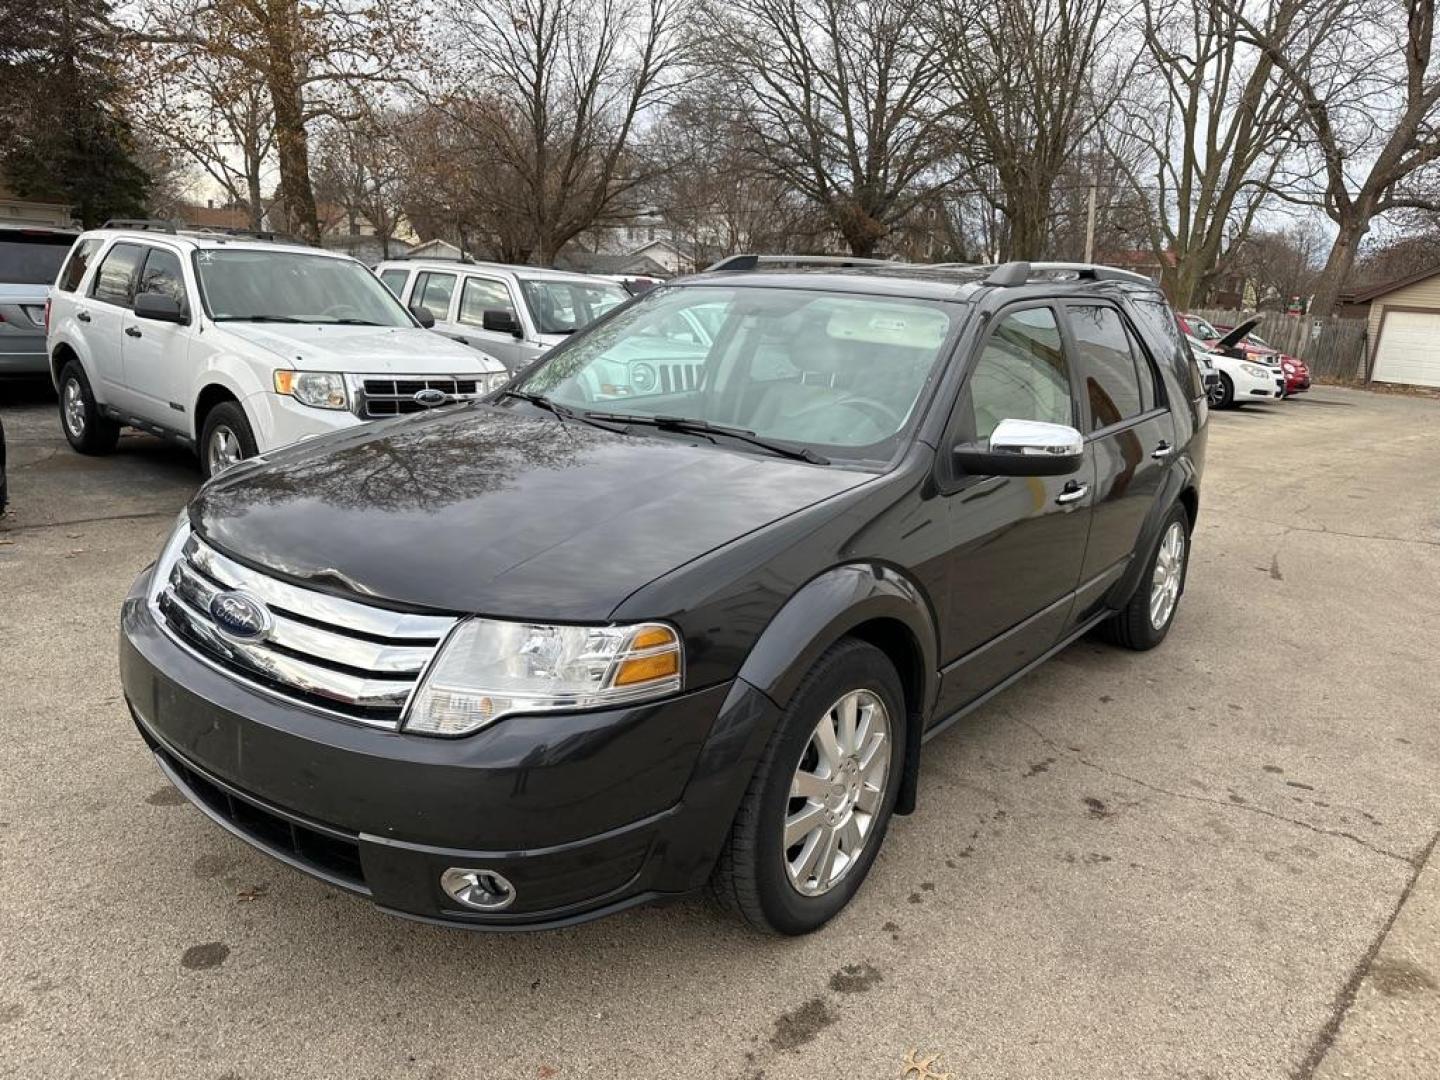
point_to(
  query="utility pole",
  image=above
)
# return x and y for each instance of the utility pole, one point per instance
(1090, 227)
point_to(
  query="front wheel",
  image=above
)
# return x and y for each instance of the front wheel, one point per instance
(1222, 394)
(1143, 623)
(821, 798)
(226, 439)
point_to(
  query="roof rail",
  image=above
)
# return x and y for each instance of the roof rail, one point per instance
(754, 262)
(465, 257)
(143, 224)
(1008, 275)
(245, 234)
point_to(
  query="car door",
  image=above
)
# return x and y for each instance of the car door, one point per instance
(156, 354)
(102, 313)
(1015, 544)
(481, 294)
(1131, 436)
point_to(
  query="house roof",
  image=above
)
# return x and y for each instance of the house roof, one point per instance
(592, 263)
(1364, 296)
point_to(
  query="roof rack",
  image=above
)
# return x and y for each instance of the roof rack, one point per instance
(754, 262)
(142, 224)
(465, 258)
(1011, 274)
(245, 234)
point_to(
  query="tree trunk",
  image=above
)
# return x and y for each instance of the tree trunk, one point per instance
(1337, 266)
(292, 147)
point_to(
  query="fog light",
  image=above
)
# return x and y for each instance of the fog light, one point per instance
(482, 890)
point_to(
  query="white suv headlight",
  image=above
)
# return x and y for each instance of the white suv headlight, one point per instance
(319, 389)
(492, 381)
(487, 669)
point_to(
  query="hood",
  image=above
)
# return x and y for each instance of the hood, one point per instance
(481, 509)
(363, 350)
(1237, 335)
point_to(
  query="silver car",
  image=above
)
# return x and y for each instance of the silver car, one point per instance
(513, 313)
(30, 259)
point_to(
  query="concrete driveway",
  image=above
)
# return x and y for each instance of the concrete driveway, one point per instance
(1177, 864)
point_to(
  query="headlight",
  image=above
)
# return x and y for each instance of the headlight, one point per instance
(1289, 368)
(487, 669)
(491, 381)
(319, 389)
(1255, 371)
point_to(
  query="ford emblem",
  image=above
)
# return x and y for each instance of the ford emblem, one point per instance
(240, 616)
(430, 397)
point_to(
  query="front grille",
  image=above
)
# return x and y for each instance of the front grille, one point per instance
(396, 397)
(325, 851)
(347, 658)
(679, 377)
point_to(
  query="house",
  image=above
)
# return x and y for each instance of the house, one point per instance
(585, 262)
(1403, 326)
(437, 249)
(15, 210)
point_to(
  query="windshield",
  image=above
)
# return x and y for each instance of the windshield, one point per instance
(827, 370)
(32, 258)
(290, 286)
(562, 307)
(1202, 328)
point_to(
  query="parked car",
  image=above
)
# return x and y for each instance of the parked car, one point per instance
(532, 660)
(515, 313)
(4, 483)
(30, 258)
(1209, 373)
(1295, 370)
(1237, 380)
(237, 346)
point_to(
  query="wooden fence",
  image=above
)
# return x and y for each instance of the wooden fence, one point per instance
(1335, 349)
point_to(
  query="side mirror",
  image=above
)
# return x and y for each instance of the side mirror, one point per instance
(423, 316)
(1024, 448)
(159, 307)
(500, 322)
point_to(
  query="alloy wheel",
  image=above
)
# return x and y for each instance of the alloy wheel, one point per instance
(1165, 581)
(223, 450)
(836, 793)
(74, 408)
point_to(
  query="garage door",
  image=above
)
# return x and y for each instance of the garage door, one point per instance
(1409, 349)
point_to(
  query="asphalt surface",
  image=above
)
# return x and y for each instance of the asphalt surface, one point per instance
(1177, 864)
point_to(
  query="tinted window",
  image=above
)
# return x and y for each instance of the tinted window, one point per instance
(1160, 323)
(1144, 371)
(559, 306)
(162, 274)
(32, 258)
(1019, 375)
(395, 280)
(79, 262)
(480, 296)
(1111, 383)
(433, 292)
(115, 280)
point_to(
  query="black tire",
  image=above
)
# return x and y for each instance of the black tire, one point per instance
(228, 418)
(751, 877)
(1132, 627)
(1223, 395)
(86, 428)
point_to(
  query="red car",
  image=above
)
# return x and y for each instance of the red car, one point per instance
(1297, 374)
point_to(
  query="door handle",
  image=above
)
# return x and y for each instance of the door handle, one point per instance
(1073, 492)
(1164, 450)
(131, 331)
(83, 316)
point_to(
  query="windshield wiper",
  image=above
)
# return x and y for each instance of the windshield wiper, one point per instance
(690, 426)
(259, 318)
(353, 322)
(562, 412)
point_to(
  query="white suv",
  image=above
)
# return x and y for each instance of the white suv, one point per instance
(235, 345)
(515, 313)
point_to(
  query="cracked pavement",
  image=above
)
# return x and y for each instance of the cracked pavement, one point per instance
(1187, 863)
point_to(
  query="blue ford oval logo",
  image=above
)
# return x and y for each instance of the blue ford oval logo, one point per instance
(239, 615)
(430, 397)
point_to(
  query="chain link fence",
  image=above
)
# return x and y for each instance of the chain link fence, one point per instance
(1335, 349)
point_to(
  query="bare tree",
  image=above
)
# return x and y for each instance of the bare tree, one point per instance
(1370, 96)
(358, 168)
(564, 84)
(1032, 77)
(1215, 121)
(842, 101)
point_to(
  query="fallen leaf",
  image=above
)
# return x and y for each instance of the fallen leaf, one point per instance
(921, 1068)
(251, 892)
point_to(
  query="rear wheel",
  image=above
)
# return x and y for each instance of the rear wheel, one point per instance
(1145, 621)
(1222, 394)
(821, 798)
(85, 427)
(226, 439)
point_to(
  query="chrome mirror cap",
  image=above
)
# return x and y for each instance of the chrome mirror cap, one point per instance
(1036, 437)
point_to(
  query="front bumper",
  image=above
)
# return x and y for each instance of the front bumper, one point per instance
(278, 420)
(584, 814)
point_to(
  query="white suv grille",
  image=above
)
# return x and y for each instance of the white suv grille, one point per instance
(346, 658)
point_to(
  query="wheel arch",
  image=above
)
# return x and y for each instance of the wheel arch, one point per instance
(60, 355)
(211, 394)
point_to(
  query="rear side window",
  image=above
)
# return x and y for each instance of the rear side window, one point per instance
(74, 272)
(31, 258)
(1019, 375)
(1112, 384)
(162, 274)
(115, 280)
(433, 292)
(395, 281)
(1162, 327)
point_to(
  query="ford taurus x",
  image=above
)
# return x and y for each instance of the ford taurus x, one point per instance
(681, 604)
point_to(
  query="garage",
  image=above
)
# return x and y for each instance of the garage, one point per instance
(1403, 328)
